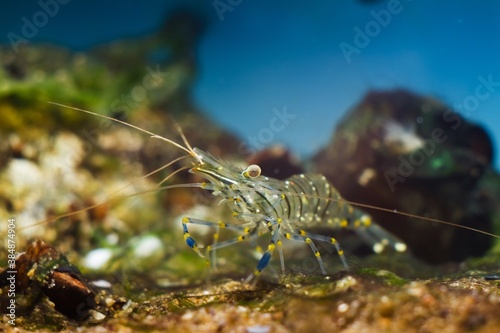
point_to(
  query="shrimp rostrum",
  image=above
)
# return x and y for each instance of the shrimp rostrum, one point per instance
(282, 209)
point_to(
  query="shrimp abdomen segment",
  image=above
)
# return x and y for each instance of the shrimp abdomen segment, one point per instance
(313, 202)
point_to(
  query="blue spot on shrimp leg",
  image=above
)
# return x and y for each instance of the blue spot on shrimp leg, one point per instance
(266, 257)
(187, 237)
(210, 249)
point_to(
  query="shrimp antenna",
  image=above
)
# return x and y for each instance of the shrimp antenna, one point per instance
(184, 139)
(188, 150)
(414, 216)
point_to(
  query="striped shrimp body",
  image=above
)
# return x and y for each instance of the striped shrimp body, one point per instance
(282, 208)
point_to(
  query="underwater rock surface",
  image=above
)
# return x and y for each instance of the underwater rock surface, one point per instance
(41, 269)
(411, 153)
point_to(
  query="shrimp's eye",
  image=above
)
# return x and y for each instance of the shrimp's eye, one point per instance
(253, 171)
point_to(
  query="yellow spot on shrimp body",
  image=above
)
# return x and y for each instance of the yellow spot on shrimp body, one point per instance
(366, 220)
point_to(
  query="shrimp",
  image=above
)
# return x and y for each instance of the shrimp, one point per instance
(285, 209)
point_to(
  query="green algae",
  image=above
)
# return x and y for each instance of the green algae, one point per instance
(388, 277)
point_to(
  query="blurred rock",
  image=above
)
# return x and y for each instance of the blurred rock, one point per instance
(277, 162)
(43, 269)
(411, 153)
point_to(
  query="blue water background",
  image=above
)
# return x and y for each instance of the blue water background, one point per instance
(261, 56)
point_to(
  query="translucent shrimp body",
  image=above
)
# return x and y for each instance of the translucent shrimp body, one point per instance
(282, 208)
